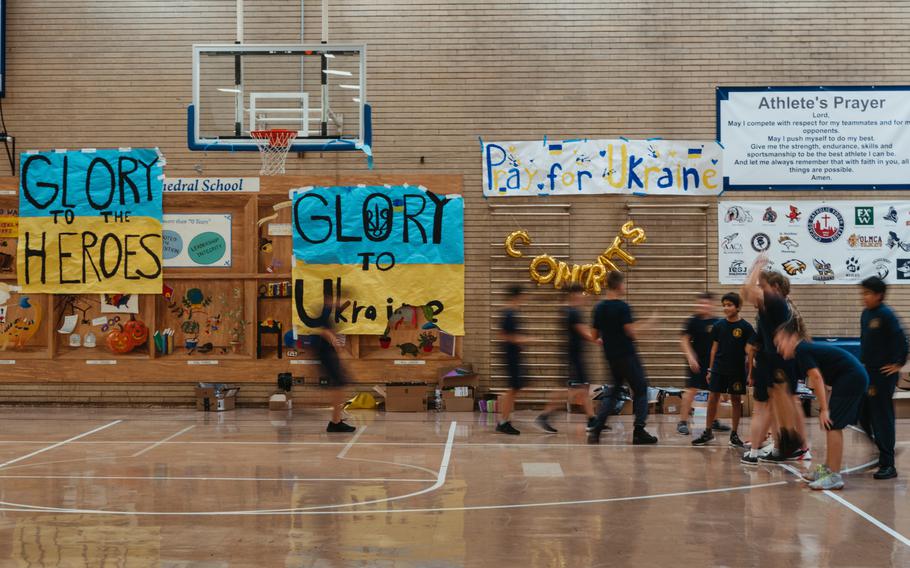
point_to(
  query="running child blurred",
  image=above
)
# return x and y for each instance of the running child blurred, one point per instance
(696, 346)
(577, 332)
(513, 340)
(613, 322)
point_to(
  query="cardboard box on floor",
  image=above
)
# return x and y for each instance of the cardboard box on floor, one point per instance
(403, 397)
(216, 397)
(902, 404)
(281, 400)
(448, 379)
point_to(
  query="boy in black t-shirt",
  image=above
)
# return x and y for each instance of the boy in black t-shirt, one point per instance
(883, 348)
(513, 340)
(696, 346)
(613, 323)
(827, 366)
(727, 368)
(577, 332)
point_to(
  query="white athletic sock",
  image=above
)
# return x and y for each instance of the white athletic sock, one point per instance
(753, 453)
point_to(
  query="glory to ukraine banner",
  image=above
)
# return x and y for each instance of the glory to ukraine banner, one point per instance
(90, 221)
(372, 249)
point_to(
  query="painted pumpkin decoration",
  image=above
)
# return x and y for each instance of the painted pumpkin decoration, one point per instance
(119, 341)
(137, 332)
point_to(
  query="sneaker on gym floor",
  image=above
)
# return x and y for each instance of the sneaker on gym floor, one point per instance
(800, 455)
(594, 436)
(816, 473)
(641, 436)
(590, 425)
(748, 459)
(683, 428)
(544, 425)
(720, 427)
(735, 442)
(705, 437)
(507, 428)
(770, 456)
(830, 482)
(339, 427)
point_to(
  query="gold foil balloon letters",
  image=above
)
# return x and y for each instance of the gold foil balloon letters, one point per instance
(544, 269)
(516, 237)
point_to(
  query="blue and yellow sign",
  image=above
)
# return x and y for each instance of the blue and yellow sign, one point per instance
(90, 221)
(372, 250)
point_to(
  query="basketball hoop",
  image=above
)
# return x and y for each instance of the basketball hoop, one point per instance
(273, 148)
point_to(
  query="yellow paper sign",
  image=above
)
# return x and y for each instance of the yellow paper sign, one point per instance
(369, 298)
(9, 226)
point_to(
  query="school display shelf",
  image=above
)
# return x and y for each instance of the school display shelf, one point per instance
(225, 320)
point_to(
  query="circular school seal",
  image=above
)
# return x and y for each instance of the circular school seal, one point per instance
(826, 224)
(761, 242)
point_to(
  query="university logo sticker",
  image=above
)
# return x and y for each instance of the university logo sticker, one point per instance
(770, 215)
(823, 269)
(761, 242)
(794, 214)
(826, 224)
(794, 266)
(903, 269)
(882, 267)
(863, 216)
(892, 215)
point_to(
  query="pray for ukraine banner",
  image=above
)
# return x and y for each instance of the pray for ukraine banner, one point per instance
(370, 250)
(90, 221)
(582, 167)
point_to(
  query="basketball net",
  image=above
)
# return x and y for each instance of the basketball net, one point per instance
(273, 149)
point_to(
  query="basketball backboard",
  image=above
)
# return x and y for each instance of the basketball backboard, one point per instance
(319, 90)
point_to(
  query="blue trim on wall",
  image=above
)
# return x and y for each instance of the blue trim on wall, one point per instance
(332, 145)
(723, 94)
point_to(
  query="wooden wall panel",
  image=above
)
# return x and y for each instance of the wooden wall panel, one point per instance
(443, 72)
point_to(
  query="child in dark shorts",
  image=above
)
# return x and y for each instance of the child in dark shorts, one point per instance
(727, 369)
(335, 377)
(513, 340)
(577, 333)
(696, 346)
(827, 365)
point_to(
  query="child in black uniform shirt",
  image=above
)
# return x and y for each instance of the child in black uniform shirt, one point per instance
(513, 340)
(696, 346)
(883, 348)
(727, 369)
(827, 365)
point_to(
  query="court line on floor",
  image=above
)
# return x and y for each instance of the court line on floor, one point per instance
(897, 536)
(58, 444)
(428, 444)
(440, 481)
(164, 441)
(204, 478)
(342, 455)
(302, 512)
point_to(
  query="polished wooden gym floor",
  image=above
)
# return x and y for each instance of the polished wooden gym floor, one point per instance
(179, 488)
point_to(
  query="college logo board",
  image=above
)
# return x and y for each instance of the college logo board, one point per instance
(729, 246)
(882, 267)
(787, 242)
(892, 215)
(738, 215)
(794, 266)
(826, 224)
(737, 268)
(865, 241)
(770, 215)
(864, 216)
(824, 270)
(903, 269)
(794, 214)
(761, 242)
